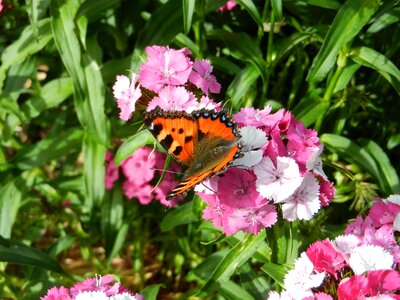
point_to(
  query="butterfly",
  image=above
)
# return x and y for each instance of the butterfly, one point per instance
(205, 142)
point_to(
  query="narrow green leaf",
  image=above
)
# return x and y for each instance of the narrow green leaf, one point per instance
(388, 176)
(139, 139)
(242, 83)
(10, 200)
(52, 147)
(252, 10)
(234, 291)
(94, 171)
(373, 59)
(19, 253)
(346, 75)
(178, 216)
(24, 46)
(394, 141)
(52, 94)
(165, 23)
(119, 241)
(252, 281)
(309, 109)
(151, 291)
(236, 256)
(277, 8)
(276, 272)
(94, 9)
(390, 17)
(329, 4)
(93, 113)
(187, 9)
(350, 19)
(285, 46)
(111, 217)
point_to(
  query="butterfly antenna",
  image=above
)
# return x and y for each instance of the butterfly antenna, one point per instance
(208, 188)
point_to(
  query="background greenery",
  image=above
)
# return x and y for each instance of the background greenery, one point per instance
(333, 63)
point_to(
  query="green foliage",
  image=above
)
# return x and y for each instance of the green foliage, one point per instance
(333, 63)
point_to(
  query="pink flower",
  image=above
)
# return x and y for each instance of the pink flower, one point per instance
(139, 167)
(112, 173)
(55, 293)
(141, 192)
(383, 213)
(237, 189)
(251, 220)
(326, 192)
(164, 66)
(277, 183)
(325, 257)
(101, 283)
(205, 103)
(215, 211)
(174, 98)
(126, 93)
(202, 78)
(252, 116)
(229, 5)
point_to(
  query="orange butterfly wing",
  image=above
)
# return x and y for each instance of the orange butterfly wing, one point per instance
(206, 142)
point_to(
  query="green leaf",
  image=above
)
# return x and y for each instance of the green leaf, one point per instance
(139, 139)
(112, 214)
(234, 291)
(242, 83)
(309, 109)
(151, 291)
(277, 9)
(329, 4)
(390, 17)
(187, 8)
(45, 150)
(94, 9)
(350, 19)
(94, 171)
(10, 200)
(165, 23)
(252, 10)
(26, 45)
(252, 281)
(19, 253)
(178, 216)
(52, 94)
(236, 256)
(276, 272)
(394, 141)
(373, 59)
(119, 242)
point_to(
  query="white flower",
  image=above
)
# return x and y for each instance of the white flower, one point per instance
(284, 295)
(345, 244)
(369, 258)
(304, 202)
(277, 183)
(252, 140)
(314, 163)
(86, 295)
(300, 280)
(127, 93)
(392, 198)
(123, 296)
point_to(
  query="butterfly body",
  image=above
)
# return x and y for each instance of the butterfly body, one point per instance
(205, 142)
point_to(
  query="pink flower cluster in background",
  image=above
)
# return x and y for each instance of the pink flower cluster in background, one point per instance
(99, 288)
(140, 170)
(229, 5)
(281, 163)
(361, 264)
(281, 166)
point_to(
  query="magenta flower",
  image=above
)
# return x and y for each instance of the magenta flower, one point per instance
(253, 117)
(229, 5)
(215, 211)
(325, 258)
(139, 167)
(383, 212)
(101, 283)
(164, 66)
(143, 192)
(56, 293)
(112, 173)
(174, 98)
(126, 93)
(202, 78)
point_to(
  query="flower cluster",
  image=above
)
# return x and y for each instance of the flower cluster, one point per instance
(98, 288)
(281, 163)
(229, 5)
(140, 170)
(364, 262)
(281, 166)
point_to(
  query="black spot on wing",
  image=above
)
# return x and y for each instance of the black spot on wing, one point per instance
(188, 139)
(157, 129)
(180, 130)
(167, 141)
(177, 150)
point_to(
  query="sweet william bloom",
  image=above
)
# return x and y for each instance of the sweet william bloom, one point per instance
(216, 212)
(284, 295)
(174, 98)
(325, 257)
(56, 293)
(368, 257)
(163, 67)
(229, 5)
(202, 78)
(383, 212)
(345, 244)
(277, 183)
(249, 116)
(112, 173)
(139, 167)
(205, 103)
(252, 140)
(304, 202)
(300, 281)
(143, 193)
(127, 93)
